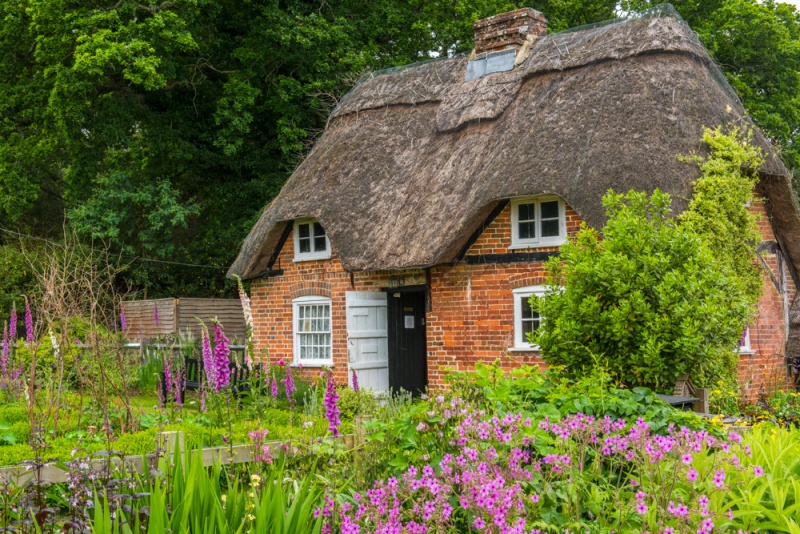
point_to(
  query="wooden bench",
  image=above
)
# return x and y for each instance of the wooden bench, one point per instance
(686, 394)
(193, 367)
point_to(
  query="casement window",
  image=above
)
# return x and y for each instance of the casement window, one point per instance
(744, 342)
(526, 319)
(310, 241)
(538, 222)
(312, 331)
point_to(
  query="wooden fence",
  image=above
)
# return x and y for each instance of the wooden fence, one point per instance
(177, 316)
(168, 441)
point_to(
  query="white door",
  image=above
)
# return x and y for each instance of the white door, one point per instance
(367, 340)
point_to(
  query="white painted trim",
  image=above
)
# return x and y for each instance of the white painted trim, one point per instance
(531, 348)
(302, 301)
(538, 241)
(520, 344)
(309, 256)
(747, 348)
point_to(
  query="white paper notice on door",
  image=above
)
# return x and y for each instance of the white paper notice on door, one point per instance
(409, 321)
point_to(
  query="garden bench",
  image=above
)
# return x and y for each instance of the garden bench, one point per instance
(687, 396)
(240, 377)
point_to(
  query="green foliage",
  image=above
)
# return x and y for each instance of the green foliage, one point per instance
(770, 502)
(525, 390)
(648, 302)
(718, 211)
(192, 498)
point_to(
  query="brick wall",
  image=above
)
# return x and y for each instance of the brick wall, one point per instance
(271, 300)
(471, 317)
(764, 369)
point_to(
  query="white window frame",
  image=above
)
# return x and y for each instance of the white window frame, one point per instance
(538, 241)
(314, 254)
(306, 301)
(746, 348)
(520, 343)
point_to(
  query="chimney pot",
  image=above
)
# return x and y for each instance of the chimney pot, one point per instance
(508, 30)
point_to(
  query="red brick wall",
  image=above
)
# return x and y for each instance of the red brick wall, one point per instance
(496, 239)
(765, 368)
(471, 317)
(271, 300)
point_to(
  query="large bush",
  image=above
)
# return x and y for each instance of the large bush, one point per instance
(649, 301)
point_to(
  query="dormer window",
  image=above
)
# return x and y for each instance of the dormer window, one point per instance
(310, 241)
(538, 222)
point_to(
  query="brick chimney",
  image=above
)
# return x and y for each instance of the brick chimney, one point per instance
(508, 30)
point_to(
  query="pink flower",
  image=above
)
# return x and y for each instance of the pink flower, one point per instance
(758, 470)
(274, 388)
(331, 408)
(719, 478)
(222, 370)
(641, 508)
(691, 474)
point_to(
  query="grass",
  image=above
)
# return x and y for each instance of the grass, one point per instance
(81, 427)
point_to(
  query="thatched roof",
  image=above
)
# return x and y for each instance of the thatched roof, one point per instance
(413, 160)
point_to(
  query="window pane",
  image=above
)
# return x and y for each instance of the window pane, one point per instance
(526, 212)
(527, 328)
(525, 306)
(313, 328)
(527, 230)
(303, 230)
(305, 245)
(320, 244)
(318, 230)
(550, 228)
(550, 210)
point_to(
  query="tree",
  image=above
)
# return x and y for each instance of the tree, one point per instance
(164, 127)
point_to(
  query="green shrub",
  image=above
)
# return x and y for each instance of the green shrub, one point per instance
(649, 302)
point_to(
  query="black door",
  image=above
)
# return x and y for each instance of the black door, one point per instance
(408, 352)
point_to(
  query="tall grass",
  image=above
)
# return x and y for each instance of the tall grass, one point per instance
(189, 498)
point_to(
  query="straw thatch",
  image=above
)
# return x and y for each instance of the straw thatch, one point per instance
(412, 161)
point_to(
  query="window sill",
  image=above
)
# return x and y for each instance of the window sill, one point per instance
(532, 348)
(311, 365)
(747, 352)
(312, 257)
(523, 246)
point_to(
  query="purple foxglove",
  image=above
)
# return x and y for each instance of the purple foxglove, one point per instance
(122, 322)
(28, 323)
(4, 355)
(12, 324)
(155, 314)
(168, 378)
(289, 383)
(331, 407)
(355, 381)
(208, 359)
(203, 395)
(222, 371)
(274, 388)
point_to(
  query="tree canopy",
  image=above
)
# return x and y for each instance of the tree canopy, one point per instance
(165, 126)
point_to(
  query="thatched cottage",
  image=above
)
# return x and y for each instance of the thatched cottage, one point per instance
(411, 237)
